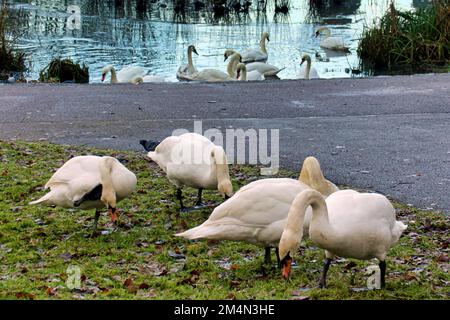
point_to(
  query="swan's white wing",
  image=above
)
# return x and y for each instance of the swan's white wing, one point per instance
(262, 67)
(254, 76)
(129, 73)
(312, 75)
(151, 78)
(211, 75)
(333, 43)
(253, 55)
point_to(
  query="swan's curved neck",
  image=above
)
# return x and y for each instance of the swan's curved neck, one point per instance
(243, 76)
(262, 44)
(308, 69)
(320, 230)
(108, 193)
(113, 76)
(190, 62)
(232, 66)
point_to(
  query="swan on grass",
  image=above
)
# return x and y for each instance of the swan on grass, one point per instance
(347, 224)
(330, 42)
(307, 72)
(257, 212)
(266, 69)
(252, 55)
(130, 74)
(89, 182)
(187, 70)
(191, 160)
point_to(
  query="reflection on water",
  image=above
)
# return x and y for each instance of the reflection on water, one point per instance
(155, 34)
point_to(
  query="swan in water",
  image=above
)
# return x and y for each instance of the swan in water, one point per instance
(191, 160)
(332, 43)
(252, 55)
(265, 69)
(257, 212)
(308, 72)
(243, 75)
(89, 182)
(187, 70)
(347, 224)
(130, 74)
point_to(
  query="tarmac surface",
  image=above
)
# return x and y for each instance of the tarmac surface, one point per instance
(385, 134)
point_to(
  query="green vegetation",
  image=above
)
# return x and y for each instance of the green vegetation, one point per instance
(64, 70)
(411, 41)
(10, 59)
(143, 260)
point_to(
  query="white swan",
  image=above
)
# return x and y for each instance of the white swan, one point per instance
(243, 75)
(187, 70)
(130, 74)
(266, 69)
(213, 75)
(232, 64)
(308, 72)
(332, 43)
(194, 161)
(257, 212)
(153, 78)
(89, 182)
(348, 224)
(252, 55)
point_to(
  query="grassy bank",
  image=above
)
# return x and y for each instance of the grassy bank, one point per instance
(143, 260)
(411, 41)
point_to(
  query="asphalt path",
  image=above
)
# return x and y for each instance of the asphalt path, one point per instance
(385, 134)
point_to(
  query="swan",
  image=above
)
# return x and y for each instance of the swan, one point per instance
(243, 75)
(192, 160)
(213, 75)
(332, 43)
(152, 78)
(308, 72)
(235, 59)
(266, 69)
(130, 74)
(348, 224)
(89, 182)
(258, 211)
(186, 70)
(252, 55)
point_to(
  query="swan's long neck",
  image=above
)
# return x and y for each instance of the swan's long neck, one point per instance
(113, 76)
(191, 67)
(220, 171)
(232, 66)
(320, 228)
(262, 44)
(311, 173)
(308, 69)
(108, 192)
(243, 76)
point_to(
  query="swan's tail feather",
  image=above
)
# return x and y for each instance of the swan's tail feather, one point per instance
(199, 232)
(273, 73)
(43, 199)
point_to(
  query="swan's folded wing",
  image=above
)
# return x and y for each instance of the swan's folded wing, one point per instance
(129, 73)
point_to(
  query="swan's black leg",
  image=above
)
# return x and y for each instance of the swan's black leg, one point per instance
(180, 198)
(199, 197)
(267, 257)
(277, 252)
(382, 265)
(97, 216)
(323, 278)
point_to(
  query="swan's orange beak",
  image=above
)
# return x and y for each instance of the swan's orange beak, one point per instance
(103, 77)
(286, 267)
(114, 214)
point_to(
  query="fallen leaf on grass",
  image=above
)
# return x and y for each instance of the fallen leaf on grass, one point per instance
(129, 284)
(25, 295)
(51, 291)
(193, 278)
(143, 286)
(443, 258)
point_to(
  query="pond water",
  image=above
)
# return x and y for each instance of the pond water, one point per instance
(155, 34)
